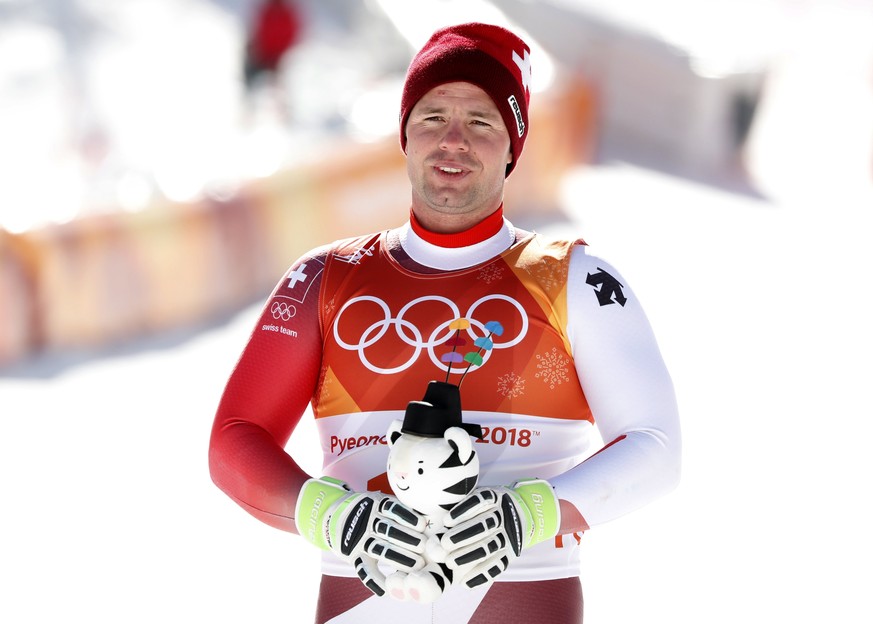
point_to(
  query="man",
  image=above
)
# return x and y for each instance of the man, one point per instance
(548, 345)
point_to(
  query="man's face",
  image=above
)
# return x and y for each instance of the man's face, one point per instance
(457, 149)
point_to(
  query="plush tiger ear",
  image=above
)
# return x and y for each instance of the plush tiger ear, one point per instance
(461, 440)
(394, 431)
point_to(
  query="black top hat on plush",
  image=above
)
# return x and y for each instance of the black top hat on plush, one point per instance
(439, 410)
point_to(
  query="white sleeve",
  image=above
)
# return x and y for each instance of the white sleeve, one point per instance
(630, 394)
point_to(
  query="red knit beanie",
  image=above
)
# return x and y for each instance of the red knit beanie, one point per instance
(488, 56)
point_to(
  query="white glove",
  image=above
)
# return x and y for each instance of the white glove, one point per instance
(492, 525)
(362, 528)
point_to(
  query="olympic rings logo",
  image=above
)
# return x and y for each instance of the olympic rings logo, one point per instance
(443, 334)
(282, 311)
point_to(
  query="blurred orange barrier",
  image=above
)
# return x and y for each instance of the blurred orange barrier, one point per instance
(106, 279)
(18, 278)
(563, 134)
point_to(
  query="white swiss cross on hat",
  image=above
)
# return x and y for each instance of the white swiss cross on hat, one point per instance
(524, 67)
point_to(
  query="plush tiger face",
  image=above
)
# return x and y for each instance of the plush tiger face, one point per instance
(431, 474)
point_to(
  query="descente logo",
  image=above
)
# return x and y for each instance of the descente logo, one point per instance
(516, 110)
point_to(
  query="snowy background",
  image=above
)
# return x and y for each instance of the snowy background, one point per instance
(758, 293)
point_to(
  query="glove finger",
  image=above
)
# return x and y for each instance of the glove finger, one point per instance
(397, 557)
(477, 529)
(368, 571)
(395, 511)
(487, 571)
(478, 552)
(479, 501)
(408, 539)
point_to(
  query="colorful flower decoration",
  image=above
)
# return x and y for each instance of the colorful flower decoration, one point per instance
(473, 358)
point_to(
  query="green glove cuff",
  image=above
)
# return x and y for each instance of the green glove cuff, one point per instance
(315, 500)
(542, 503)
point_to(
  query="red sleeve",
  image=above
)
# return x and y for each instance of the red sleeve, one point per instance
(265, 397)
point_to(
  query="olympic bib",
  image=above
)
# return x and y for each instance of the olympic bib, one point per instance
(499, 327)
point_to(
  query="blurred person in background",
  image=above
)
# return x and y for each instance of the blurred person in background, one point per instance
(580, 422)
(274, 30)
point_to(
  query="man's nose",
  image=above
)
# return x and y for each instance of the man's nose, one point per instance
(454, 137)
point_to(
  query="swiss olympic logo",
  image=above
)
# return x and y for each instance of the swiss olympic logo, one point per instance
(485, 335)
(282, 311)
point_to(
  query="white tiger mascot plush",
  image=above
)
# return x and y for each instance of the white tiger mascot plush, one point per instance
(432, 465)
